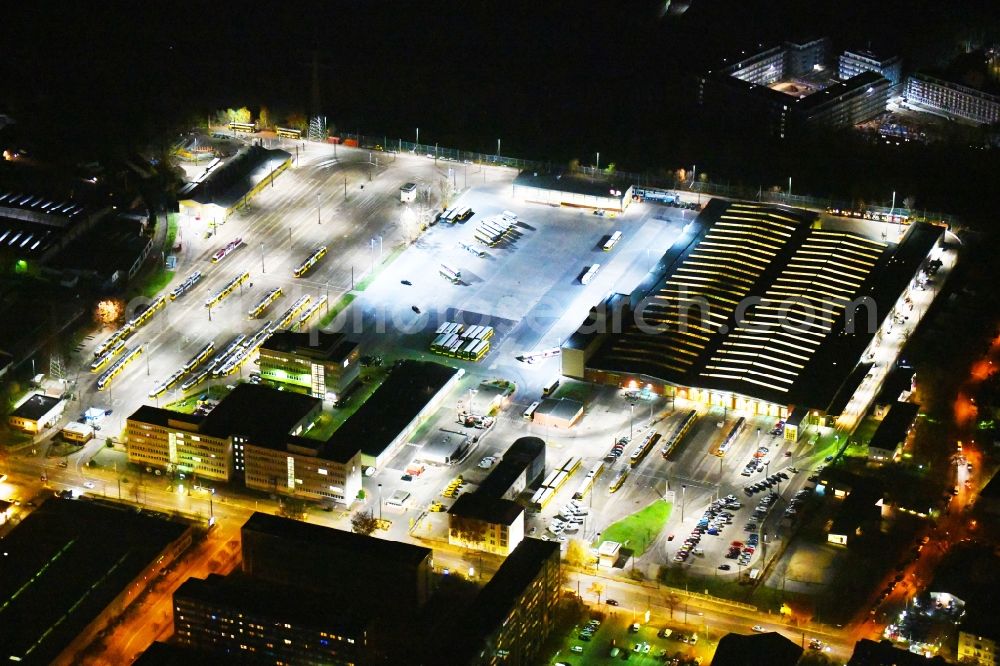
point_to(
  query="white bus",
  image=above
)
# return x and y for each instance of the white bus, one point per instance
(551, 387)
(450, 216)
(529, 413)
(408, 192)
(612, 241)
(589, 275)
(451, 274)
(463, 213)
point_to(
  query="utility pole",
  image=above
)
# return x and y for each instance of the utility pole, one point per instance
(318, 216)
(262, 258)
(598, 167)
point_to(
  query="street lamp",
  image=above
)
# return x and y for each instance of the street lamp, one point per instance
(380, 502)
(683, 500)
(319, 219)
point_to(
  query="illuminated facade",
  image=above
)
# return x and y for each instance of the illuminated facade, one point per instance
(172, 441)
(757, 309)
(852, 63)
(304, 468)
(480, 522)
(513, 615)
(975, 649)
(952, 99)
(263, 622)
(325, 364)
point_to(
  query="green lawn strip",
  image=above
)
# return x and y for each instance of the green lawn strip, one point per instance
(579, 391)
(171, 232)
(337, 308)
(368, 279)
(638, 530)
(156, 282)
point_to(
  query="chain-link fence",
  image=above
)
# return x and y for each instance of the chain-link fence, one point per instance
(645, 180)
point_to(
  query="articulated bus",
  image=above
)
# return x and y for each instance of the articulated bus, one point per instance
(619, 479)
(450, 274)
(226, 250)
(731, 437)
(289, 314)
(289, 133)
(148, 313)
(588, 483)
(184, 287)
(310, 312)
(200, 357)
(105, 358)
(120, 335)
(130, 355)
(310, 262)
(615, 237)
(264, 303)
(228, 289)
(648, 442)
(248, 128)
(678, 433)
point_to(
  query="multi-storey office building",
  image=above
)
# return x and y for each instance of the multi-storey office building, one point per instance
(266, 623)
(852, 63)
(301, 467)
(324, 363)
(952, 99)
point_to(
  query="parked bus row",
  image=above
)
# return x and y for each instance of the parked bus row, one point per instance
(101, 361)
(456, 214)
(228, 289)
(285, 320)
(264, 303)
(216, 360)
(227, 250)
(131, 326)
(556, 479)
(203, 355)
(588, 483)
(469, 343)
(492, 230)
(734, 433)
(678, 433)
(309, 313)
(130, 355)
(313, 259)
(184, 287)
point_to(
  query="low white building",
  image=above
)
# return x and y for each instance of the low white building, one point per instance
(37, 413)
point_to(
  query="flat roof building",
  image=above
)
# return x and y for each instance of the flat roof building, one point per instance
(324, 363)
(851, 63)
(260, 622)
(214, 446)
(70, 568)
(954, 100)
(291, 552)
(767, 649)
(513, 615)
(884, 653)
(482, 522)
(445, 447)
(757, 309)
(573, 190)
(782, 89)
(229, 185)
(558, 412)
(408, 396)
(304, 468)
(891, 433)
(36, 413)
(522, 466)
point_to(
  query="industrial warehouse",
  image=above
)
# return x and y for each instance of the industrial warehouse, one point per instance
(761, 309)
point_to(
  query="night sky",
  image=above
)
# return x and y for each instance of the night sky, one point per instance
(553, 80)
